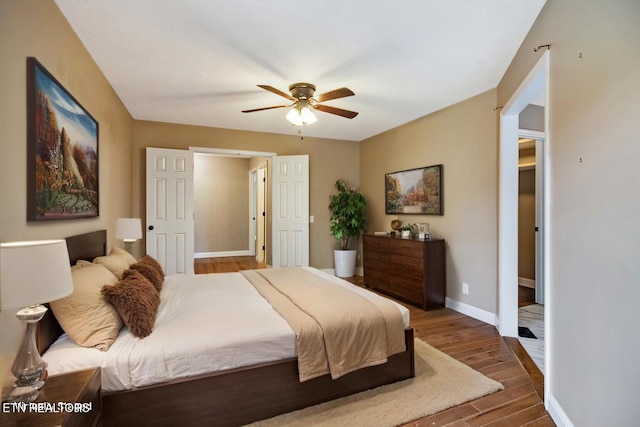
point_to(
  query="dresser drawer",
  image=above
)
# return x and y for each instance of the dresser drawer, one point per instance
(376, 261)
(407, 266)
(377, 280)
(408, 288)
(412, 248)
(373, 243)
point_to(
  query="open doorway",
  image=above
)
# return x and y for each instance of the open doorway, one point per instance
(530, 248)
(226, 201)
(535, 83)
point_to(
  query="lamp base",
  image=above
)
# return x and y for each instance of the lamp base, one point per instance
(28, 367)
(22, 394)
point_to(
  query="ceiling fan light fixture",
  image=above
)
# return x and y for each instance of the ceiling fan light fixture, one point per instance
(307, 115)
(303, 103)
(300, 114)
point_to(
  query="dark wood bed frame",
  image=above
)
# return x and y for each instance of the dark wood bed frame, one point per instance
(230, 398)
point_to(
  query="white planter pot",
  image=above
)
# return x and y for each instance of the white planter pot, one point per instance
(345, 262)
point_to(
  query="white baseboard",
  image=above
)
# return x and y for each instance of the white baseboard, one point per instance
(471, 311)
(221, 254)
(527, 283)
(555, 410)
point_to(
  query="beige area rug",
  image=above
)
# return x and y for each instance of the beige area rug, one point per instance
(440, 383)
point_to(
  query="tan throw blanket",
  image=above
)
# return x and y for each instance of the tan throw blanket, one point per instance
(337, 331)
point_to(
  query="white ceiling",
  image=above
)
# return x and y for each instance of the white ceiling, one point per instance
(198, 61)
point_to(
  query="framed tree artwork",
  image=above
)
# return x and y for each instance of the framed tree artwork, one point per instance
(62, 151)
(414, 191)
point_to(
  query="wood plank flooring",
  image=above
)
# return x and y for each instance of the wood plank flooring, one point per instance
(472, 342)
(226, 264)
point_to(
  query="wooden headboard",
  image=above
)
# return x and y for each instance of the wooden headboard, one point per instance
(85, 246)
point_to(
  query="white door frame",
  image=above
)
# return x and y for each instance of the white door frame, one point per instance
(536, 80)
(253, 211)
(258, 211)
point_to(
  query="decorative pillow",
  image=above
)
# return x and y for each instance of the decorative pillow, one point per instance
(137, 302)
(124, 254)
(148, 259)
(147, 262)
(152, 275)
(117, 261)
(88, 319)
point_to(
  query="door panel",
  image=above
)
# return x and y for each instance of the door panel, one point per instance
(290, 211)
(170, 209)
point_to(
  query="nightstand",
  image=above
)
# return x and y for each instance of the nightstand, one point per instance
(67, 400)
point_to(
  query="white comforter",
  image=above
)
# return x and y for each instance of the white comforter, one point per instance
(205, 323)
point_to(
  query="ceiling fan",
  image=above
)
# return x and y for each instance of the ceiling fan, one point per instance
(303, 102)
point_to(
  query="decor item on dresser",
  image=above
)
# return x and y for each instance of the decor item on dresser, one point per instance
(33, 273)
(423, 231)
(405, 230)
(409, 269)
(62, 151)
(348, 220)
(414, 191)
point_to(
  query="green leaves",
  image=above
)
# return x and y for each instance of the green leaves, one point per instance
(348, 217)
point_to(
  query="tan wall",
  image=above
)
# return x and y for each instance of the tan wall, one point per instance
(593, 140)
(37, 28)
(221, 203)
(463, 139)
(329, 160)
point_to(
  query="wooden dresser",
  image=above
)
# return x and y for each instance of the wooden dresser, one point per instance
(411, 270)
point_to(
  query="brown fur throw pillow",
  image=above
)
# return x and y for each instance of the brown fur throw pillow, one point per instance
(153, 263)
(137, 302)
(154, 277)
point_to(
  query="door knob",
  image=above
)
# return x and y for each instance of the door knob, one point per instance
(150, 227)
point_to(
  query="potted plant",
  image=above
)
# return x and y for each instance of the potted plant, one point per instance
(405, 230)
(347, 220)
(409, 230)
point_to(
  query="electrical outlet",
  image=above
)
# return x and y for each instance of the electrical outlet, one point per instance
(465, 288)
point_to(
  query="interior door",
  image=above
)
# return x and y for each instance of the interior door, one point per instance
(169, 199)
(290, 210)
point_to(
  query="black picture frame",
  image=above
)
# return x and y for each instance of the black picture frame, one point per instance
(414, 191)
(62, 151)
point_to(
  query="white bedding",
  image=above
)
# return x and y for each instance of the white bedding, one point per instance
(205, 323)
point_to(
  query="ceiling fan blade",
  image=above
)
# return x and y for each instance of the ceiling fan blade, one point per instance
(265, 108)
(337, 111)
(277, 92)
(343, 92)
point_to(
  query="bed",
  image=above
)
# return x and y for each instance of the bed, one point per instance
(233, 396)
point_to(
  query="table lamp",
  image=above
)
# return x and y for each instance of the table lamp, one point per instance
(32, 273)
(128, 230)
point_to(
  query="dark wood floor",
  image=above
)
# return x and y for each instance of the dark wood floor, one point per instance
(472, 342)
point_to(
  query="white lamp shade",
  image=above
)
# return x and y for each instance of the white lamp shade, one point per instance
(129, 229)
(301, 114)
(34, 272)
